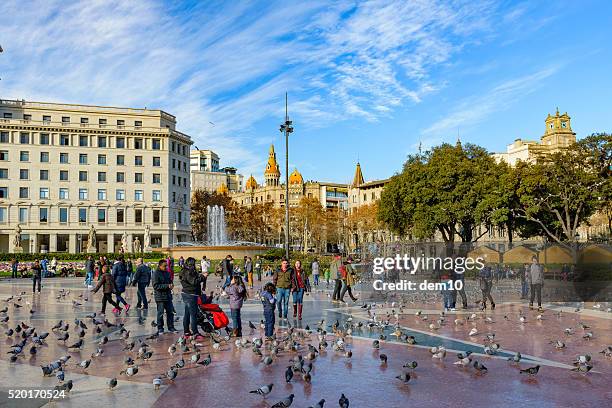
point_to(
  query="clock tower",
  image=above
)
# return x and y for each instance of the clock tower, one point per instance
(558, 133)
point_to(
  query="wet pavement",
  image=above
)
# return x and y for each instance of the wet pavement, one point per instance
(367, 382)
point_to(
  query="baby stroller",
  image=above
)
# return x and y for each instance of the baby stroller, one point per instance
(211, 318)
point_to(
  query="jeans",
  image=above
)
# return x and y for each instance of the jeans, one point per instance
(337, 287)
(89, 278)
(237, 321)
(190, 318)
(316, 279)
(486, 292)
(258, 273)
(142, 296)
(34, 283)
(120, 298)
(108, 297)
(13, 272)
(346, 288)
(524, 289)
(227, 282)
(448, 299)
(283, 301)
(269, 319)
(298, 297)
(167, 307)
(536, 288)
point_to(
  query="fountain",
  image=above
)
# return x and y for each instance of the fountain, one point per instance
(215, 218)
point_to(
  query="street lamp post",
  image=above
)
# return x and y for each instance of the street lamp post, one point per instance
(286, 128)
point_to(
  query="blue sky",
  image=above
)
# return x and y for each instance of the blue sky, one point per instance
(367, 80)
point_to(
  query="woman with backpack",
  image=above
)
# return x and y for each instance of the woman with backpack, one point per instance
(107, 283)
(237, 293)
(120, 275)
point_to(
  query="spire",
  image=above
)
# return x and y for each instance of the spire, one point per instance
(272, 172)
(358, 179)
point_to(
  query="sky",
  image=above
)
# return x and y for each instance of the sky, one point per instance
(367, 81)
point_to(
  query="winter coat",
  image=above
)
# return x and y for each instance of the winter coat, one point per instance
(191, 281)
(268, 300)
(89, 266)
(350, 274)
(120, 275)
(236, 296)
(107, 283)
(283, 279)
(143, 275)
(536, 274)
(248, 266)
(295, 284)
(227, 267)
(161, 284)
(36, 272)
(334, 268)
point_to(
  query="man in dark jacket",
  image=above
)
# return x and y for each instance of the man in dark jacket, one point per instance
(141, 280)
(89, 270)
(36, 276)
(191, 282)
(227, 267)
(162, 286)
(282, 280)
(120, 275)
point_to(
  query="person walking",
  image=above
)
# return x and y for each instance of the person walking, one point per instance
(248, 270)
(315, 271)
(348, 281)
(191, 281)
(524, 274)
(107, 283)
(44, 264)
(54, 266)
(335, 274)
(89, 271)
(299, 285)
(14, 268)
(227, 270)
(282, 281)
(204, 264)
(162, 293)
(258, 268)
(486, 284)
(536, 281)
(237, 293)
(129, 267)
(458, 282)
(120, 275)
(142, 279)
(36, 276)
(268, 300)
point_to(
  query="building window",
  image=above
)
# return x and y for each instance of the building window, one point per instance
(101, 194)
(7, 115)
(138, 178)
(64, 158)
(120, 215)
(82, 215)
(174, 163)
(138, 216)
(156, 195)
(83, 142)
(24, 174)
(173, 179)
(120, 123)
(63, 175)
(24, 156)
(44, 138)
(3, 192)
(138, 123)
(120, 177)
(174, 196)
(46, 119)
(156, 162)
(101, 141)
(138, 161)
(102, 159)
(64, 140)
(120, 195)
(102, 121)
(63, 215)
(4, 137)
(27, 117)
(179, 217)
(43, 215)
(44, 157)
(84, 121)
(44, 193)
(138, 143)
(120, 143)
(44, 175)
(83, 195)
(82, 158)
(4, 155)
(156, 144)
(2, 214)
(24, 192)
(65, 120)
(156, 216)
(82, 176)
(3, 174)
(23, 215)
(101, 215)
(63, 194)
(24, 138)
(156, 178)
(138, 195)
(101, 177)
(120, 160)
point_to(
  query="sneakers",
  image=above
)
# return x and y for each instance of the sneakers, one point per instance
(115, 310)
(172, 330)
(453, 309)
(199, 337)
(127, 308)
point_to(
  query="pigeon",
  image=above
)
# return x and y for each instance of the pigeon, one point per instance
(473, 332)
(60, 376)
(531, 370)
(404, 377)
(130, 371)
(76, 345)
(67, 386)
(285, 403)
(112, 383)
(583, 368)
(288, 374)
(412, 365)
(383, 359)
(480, 367)
(63, 337)
(171, 373)
(516, 358)
(206, 361)
(376, 344)
(84, 364)
(582, 359)
(319, 404)
(263, 390)
(267, 360)
(195, 358)
(343, 402)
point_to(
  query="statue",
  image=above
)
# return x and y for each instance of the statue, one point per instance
(147, 238)
(124, 242)
(17, 237)
(137, 247)
(91, 240)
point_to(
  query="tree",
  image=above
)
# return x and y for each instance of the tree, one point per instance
(200, 200)
(363, 221)
(308, 222)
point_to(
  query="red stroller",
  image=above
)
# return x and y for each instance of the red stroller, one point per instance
(211, 317)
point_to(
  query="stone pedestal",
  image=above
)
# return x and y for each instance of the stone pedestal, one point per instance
(91, 250)
(18, 250)
(147, 250)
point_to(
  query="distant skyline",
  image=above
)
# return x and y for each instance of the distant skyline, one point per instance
(366, 80)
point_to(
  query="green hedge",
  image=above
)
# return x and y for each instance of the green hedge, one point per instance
(63, 256)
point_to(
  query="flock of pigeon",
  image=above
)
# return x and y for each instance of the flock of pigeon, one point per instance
(301, 347)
